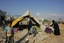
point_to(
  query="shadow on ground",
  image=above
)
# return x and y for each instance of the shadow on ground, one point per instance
(20, 40)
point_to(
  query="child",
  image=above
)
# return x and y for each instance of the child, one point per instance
(9, 32)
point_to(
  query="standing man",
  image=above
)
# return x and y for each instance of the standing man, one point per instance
(29, 26)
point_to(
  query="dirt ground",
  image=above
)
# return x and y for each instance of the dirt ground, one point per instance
(41, 37)
(61, 26)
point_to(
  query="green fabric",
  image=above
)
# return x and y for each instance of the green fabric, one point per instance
(37, 29)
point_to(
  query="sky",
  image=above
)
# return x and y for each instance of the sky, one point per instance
(48, 9)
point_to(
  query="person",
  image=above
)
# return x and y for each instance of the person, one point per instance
(56, 28)
(9, 32)
(29, 26)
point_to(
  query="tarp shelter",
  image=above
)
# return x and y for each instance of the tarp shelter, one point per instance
(16, 21)
(26, 16)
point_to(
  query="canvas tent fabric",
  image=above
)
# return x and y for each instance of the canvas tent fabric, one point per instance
(30, 15)
(23, 16)
(16, 21)
(26, 13)
(36, 20)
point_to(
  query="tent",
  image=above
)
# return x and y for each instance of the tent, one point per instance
(26, 16)
(16, 21)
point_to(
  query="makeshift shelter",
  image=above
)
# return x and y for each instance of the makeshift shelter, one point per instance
(24, 20)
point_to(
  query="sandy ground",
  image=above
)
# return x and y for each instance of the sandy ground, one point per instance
(23, 37)
(61, 26)
(41, 37)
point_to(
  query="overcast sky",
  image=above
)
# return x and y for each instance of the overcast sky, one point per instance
(51, 9)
